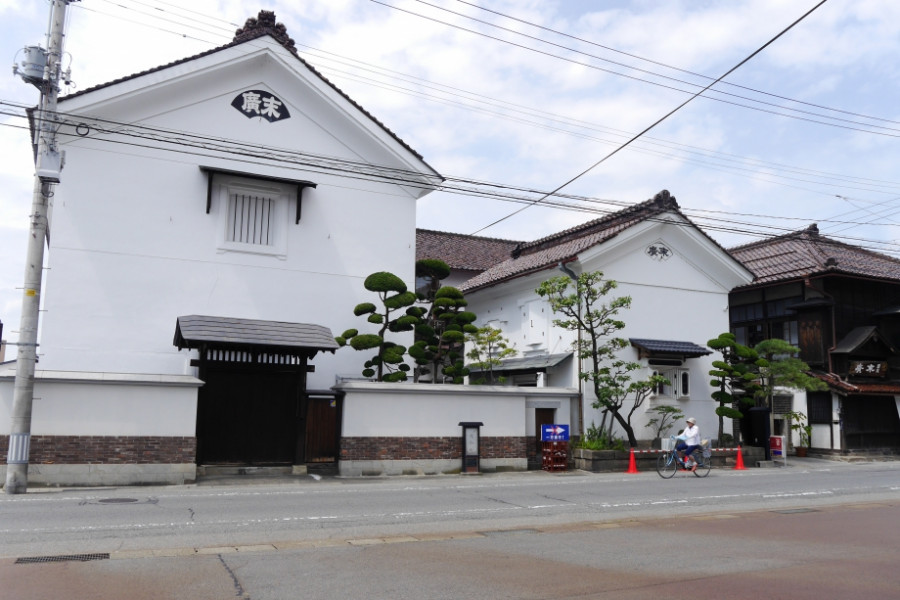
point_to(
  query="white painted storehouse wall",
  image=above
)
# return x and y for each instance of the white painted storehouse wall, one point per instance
(133, 247)
(682, 298)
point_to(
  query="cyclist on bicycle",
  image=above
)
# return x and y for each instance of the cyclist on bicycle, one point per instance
(688, 441)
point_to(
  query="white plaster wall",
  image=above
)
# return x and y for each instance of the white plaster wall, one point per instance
(132, 247)
(115, 408)
(423, 410)
(684, 298)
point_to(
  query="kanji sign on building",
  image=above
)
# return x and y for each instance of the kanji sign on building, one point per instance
(868, 368)
(262, 104)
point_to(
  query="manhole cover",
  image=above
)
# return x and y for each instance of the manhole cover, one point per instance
(117, 500)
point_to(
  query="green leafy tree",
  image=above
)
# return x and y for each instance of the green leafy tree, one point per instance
(665, 419)
(441, 335)
(798, 422)
(387, 364)
(443, 323)
(735, 378)
(488, 348)
(783, 369)
(430, 271)
(612, 378)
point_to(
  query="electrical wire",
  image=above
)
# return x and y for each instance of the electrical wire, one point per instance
(751, 171)
(674, 68)
(667, 115)
(888, 131)
(645, 71)
(180, 140)
(859, 126)
(738, 171)
(573, 208)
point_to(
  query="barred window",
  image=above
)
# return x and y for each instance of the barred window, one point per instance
(819, 406)
(254, 215)
(249, 219)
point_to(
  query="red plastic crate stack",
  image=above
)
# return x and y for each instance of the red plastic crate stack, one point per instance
(555, 456)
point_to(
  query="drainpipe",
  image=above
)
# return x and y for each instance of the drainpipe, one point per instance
(562, 267)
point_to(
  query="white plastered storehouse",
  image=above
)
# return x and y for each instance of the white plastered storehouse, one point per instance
(233, 202)
(678, 279)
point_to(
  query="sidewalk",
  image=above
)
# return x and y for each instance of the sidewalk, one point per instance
(278, 476)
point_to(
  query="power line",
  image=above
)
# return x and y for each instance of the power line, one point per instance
(654, 141)
(859, 126)
(674, 68)
(482, 194)
(188, 139)
(667, 115)
(159, 17)
(851, 125)
(208, 146)
(751, 171)
(646, 71)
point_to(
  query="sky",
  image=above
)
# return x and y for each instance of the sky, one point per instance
(535, 94)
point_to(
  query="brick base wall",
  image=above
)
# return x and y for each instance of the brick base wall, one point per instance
(428, 448)
(107, 450)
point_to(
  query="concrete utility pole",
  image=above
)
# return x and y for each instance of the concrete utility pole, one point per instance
(47, 168)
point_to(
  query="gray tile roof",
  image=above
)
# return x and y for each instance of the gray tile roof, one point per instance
(460, 251)
(194, 330)
(859, 337)
(806, 253)
(565, 246)
(689, 349)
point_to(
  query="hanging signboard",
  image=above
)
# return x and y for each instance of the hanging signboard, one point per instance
(868, 368)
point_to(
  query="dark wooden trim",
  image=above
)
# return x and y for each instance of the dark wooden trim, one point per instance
(213, 171)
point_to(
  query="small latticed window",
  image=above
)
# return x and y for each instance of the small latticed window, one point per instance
(250, 219)
(679, 385)
(254, 215)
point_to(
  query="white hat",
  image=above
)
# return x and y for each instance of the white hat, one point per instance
(691, 420)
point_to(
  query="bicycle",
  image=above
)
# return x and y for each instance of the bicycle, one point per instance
(668, 463)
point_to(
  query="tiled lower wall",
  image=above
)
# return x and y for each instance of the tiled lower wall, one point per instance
(107, 450)
(373, 456)
(429, 448)
(107, 460)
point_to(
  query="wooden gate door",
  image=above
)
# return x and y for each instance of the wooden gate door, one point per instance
(322, 417)
(247, 417)
(542, 416)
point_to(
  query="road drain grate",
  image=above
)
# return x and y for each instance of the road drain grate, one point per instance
(117, 500)
(61, 558)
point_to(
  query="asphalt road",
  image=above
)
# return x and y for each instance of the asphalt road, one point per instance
(813, 530)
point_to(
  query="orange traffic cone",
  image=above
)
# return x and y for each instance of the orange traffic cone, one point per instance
(632, 465)
(739, 465)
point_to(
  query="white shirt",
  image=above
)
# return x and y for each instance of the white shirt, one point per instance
(691, 435)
